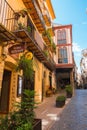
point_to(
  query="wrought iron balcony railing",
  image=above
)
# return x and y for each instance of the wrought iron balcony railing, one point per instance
(39, 40)
(36, 14)
(39, 13)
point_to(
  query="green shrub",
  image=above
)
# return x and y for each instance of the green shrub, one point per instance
(60, 98)
(68, 89)
(23, 118)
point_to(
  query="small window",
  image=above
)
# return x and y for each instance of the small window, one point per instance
(19, 86)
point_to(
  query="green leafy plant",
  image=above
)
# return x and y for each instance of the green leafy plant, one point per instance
(29, 29)
(20, 26)
(26, 65)
(60, 101)
(46, 53)
(68, 89)
(60, 98)
(23, 118)
(47, 34)
(53, 47)
(23, 12)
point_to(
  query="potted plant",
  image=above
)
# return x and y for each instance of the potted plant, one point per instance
(54, 90)
(53, 47)
(60, 101)
(17, 15)
(23, 12)
(49, 92)
(24, 117)
(26, 65)
(46, 53)
(69, 91)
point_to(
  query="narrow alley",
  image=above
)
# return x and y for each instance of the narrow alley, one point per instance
(48, 112)
(74, 116)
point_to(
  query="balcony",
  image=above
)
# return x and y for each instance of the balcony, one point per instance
(33, 41)
(45, 13)
(36, 14)
(51, 31)
(7, 22)
(49, 62)
(47, 18)
(47, 37)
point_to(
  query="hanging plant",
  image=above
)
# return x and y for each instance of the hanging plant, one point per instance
(26, 65)
(46, 53)
(17, 15)
(53, 47)
(20, 26)
(23, 12)
(28, 28)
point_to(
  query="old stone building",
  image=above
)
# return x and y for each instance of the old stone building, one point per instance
(25, 25)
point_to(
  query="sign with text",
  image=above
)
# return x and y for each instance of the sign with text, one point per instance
(16, 49)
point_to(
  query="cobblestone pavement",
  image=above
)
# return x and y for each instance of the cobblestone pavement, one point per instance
(74, 116)
(48, 112)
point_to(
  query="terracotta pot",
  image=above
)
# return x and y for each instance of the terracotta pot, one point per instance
(60, 103)
(69, 95)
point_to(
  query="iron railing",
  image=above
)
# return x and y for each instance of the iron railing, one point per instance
(39, 40)
(39, 13)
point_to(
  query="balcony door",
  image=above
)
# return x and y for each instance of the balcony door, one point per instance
(4, 98)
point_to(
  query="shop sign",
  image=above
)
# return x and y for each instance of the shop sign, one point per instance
(16, 49)
(29, 55)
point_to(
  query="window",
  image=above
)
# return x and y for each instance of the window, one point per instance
(19, 87)
(62, 55)
(61, 34)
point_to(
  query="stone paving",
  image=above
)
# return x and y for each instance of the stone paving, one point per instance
(74, 116)
(48, 112)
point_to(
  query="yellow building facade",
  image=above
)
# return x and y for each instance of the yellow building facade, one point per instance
(25, 25)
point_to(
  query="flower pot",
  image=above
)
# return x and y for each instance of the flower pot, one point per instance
(60, 103)
(68, 95)
(37, 124)
(69, 91)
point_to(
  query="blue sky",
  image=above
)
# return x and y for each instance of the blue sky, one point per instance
(73, 12)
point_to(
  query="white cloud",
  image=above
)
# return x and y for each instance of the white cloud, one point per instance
(76, 47)
(84, 23)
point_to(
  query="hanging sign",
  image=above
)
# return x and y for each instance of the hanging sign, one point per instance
(29, 55)
(16, 49)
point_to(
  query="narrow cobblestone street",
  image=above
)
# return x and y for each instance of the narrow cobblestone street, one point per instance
(48, 112)
(74, 116)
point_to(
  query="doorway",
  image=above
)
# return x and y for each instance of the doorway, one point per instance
(4, 98)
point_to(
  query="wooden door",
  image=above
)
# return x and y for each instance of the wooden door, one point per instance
(4, 99)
